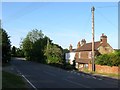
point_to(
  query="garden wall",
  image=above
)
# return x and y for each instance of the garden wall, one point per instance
(105, 69)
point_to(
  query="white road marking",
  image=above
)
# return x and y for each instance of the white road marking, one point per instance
(75, 72)
(77, 83)
(99, 79)
(71, 71)
(94, 77)
(29, 82)
(87, 76)
(25, 78)
(83, 75)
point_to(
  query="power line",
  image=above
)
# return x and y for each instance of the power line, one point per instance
(101, 7)
(107, 19)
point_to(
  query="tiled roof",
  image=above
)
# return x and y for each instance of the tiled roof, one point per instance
(73, 50)
(88, 46)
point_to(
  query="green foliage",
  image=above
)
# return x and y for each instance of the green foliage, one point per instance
(19, 52)
(40, 48)
(34, 46)
(64, 52)
(74, 63)
(112, 59)
(67, 66)
(27, 48)
(54, 53)
(13, 51)
(5, 46)
(35, 35)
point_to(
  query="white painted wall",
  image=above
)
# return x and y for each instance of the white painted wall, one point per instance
(70, 56)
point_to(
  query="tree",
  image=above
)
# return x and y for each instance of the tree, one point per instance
(64, 52)
(35, 35)
(33, 46)
(13, 51)
(54, 54)
(19, 52)
(27, 48)
(5, 44)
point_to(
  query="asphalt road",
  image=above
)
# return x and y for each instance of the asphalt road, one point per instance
(44, 76)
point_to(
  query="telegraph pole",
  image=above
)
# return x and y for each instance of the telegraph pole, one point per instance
(93, 47)
(47, 43)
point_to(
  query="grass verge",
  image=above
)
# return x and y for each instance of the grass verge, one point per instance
(105, 74)
(10, 80)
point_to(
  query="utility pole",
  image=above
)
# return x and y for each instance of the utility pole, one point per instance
(93, 46)
(47, 43)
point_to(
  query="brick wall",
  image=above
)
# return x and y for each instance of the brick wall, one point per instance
(105, 69)
(83, 55)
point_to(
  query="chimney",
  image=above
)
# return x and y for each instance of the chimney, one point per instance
(103, 39)
(83, 42)
(70, 48)
(78, 45)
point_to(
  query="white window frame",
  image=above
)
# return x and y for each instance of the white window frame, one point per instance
(79, 54)
(90, 55)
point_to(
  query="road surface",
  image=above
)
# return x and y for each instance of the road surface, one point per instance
(45, 76)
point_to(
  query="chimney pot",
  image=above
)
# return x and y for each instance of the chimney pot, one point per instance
(70, 47)
(78, 45)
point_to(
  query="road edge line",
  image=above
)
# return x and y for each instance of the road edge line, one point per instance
(29, 82)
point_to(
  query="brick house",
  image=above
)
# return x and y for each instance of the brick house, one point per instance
(83, 54)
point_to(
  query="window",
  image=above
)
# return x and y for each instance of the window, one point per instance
(79, 54)
(89, 54)
(85, 65)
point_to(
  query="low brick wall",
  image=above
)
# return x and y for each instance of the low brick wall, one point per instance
(105, 69)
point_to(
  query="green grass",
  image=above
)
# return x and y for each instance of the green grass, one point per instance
(106, 74)
(5, 64)
(109, 74)
(10, 80)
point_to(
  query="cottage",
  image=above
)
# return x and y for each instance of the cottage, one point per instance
(70, 56)
(83, 54)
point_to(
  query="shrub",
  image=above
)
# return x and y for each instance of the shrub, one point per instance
(112, 59)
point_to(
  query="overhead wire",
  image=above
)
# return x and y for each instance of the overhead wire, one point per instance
(102, 15)
(105, 18)
(22, 9)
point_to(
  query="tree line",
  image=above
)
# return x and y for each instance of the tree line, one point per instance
(5, 46)
(38, 47)
(35, 47)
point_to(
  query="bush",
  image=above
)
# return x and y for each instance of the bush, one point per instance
(112, 59)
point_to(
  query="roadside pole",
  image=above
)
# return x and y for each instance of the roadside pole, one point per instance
(93, 47)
